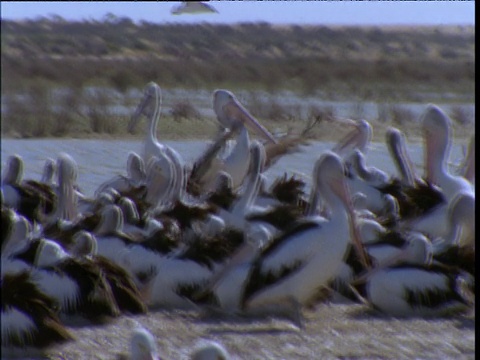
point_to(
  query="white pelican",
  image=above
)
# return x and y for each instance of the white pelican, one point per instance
(29, 197)
(48, 172)
(360, 178)
(460, 222)
(16, 231)
(209, 350)
(413, 287)
(389, 249)
(437, 132)
(125, 292)
(467, 168)
(29, 317)
(235, 215)
(150, 106)
(229, 111)
(359, 138)
(234, 117)
(135, 176)
(291, 268)
(160, 181)
(67, 201)
(77, 286)
(396, 145)
(193, 7)
(142, 345)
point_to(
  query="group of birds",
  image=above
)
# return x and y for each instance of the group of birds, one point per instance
(213, 236)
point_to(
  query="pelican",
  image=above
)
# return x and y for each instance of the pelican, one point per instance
(360, 178)
(461, 221)
(160, 181)
(413, 287)
(290, 269)
(30, 198)
(135, 176)
(29, 317)
(48, 172)
(390, 248)
(78, 287)
(397, 147)
(235, 215)
(467, 169)
(66, 208)
(142, 345)
(209, 350)
(193, 7)
(437, 131)
(232, 116)
(359, 138)
(150, 106)
(124, 290)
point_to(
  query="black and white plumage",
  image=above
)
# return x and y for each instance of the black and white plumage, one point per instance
(292, 267)
(29, 316)
(415, 290)
(30, 198)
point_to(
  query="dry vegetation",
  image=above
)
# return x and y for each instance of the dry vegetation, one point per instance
(383, 65)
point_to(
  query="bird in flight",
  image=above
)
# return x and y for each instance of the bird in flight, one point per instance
(193, 7)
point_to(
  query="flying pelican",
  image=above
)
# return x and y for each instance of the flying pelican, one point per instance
(193, 7)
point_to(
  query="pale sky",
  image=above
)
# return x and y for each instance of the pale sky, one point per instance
(275, 12)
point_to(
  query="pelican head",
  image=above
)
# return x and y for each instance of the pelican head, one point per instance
(151, 101)
(49, 254)
(67, 177)
(135, 167)
(111, 220)
(461, 213)
(437, 130)
(129, 209)
(331, 183)
(210, 350)
(418, 250)
(85, 244)
(397, 148)
(143, 346)
(14, 170)
(48, 171)
(160, 179)
(358, 138)
(18, 234)
(229, 111)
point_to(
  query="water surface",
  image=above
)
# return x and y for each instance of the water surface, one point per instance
(99, 160)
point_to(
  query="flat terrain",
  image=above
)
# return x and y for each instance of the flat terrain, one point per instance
(79, 79)
(332, 331)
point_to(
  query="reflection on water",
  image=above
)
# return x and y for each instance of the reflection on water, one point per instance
(99, 160)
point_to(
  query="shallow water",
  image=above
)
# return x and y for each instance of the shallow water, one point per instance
(99, 160)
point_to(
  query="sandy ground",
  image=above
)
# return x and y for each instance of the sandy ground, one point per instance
(332, 331)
